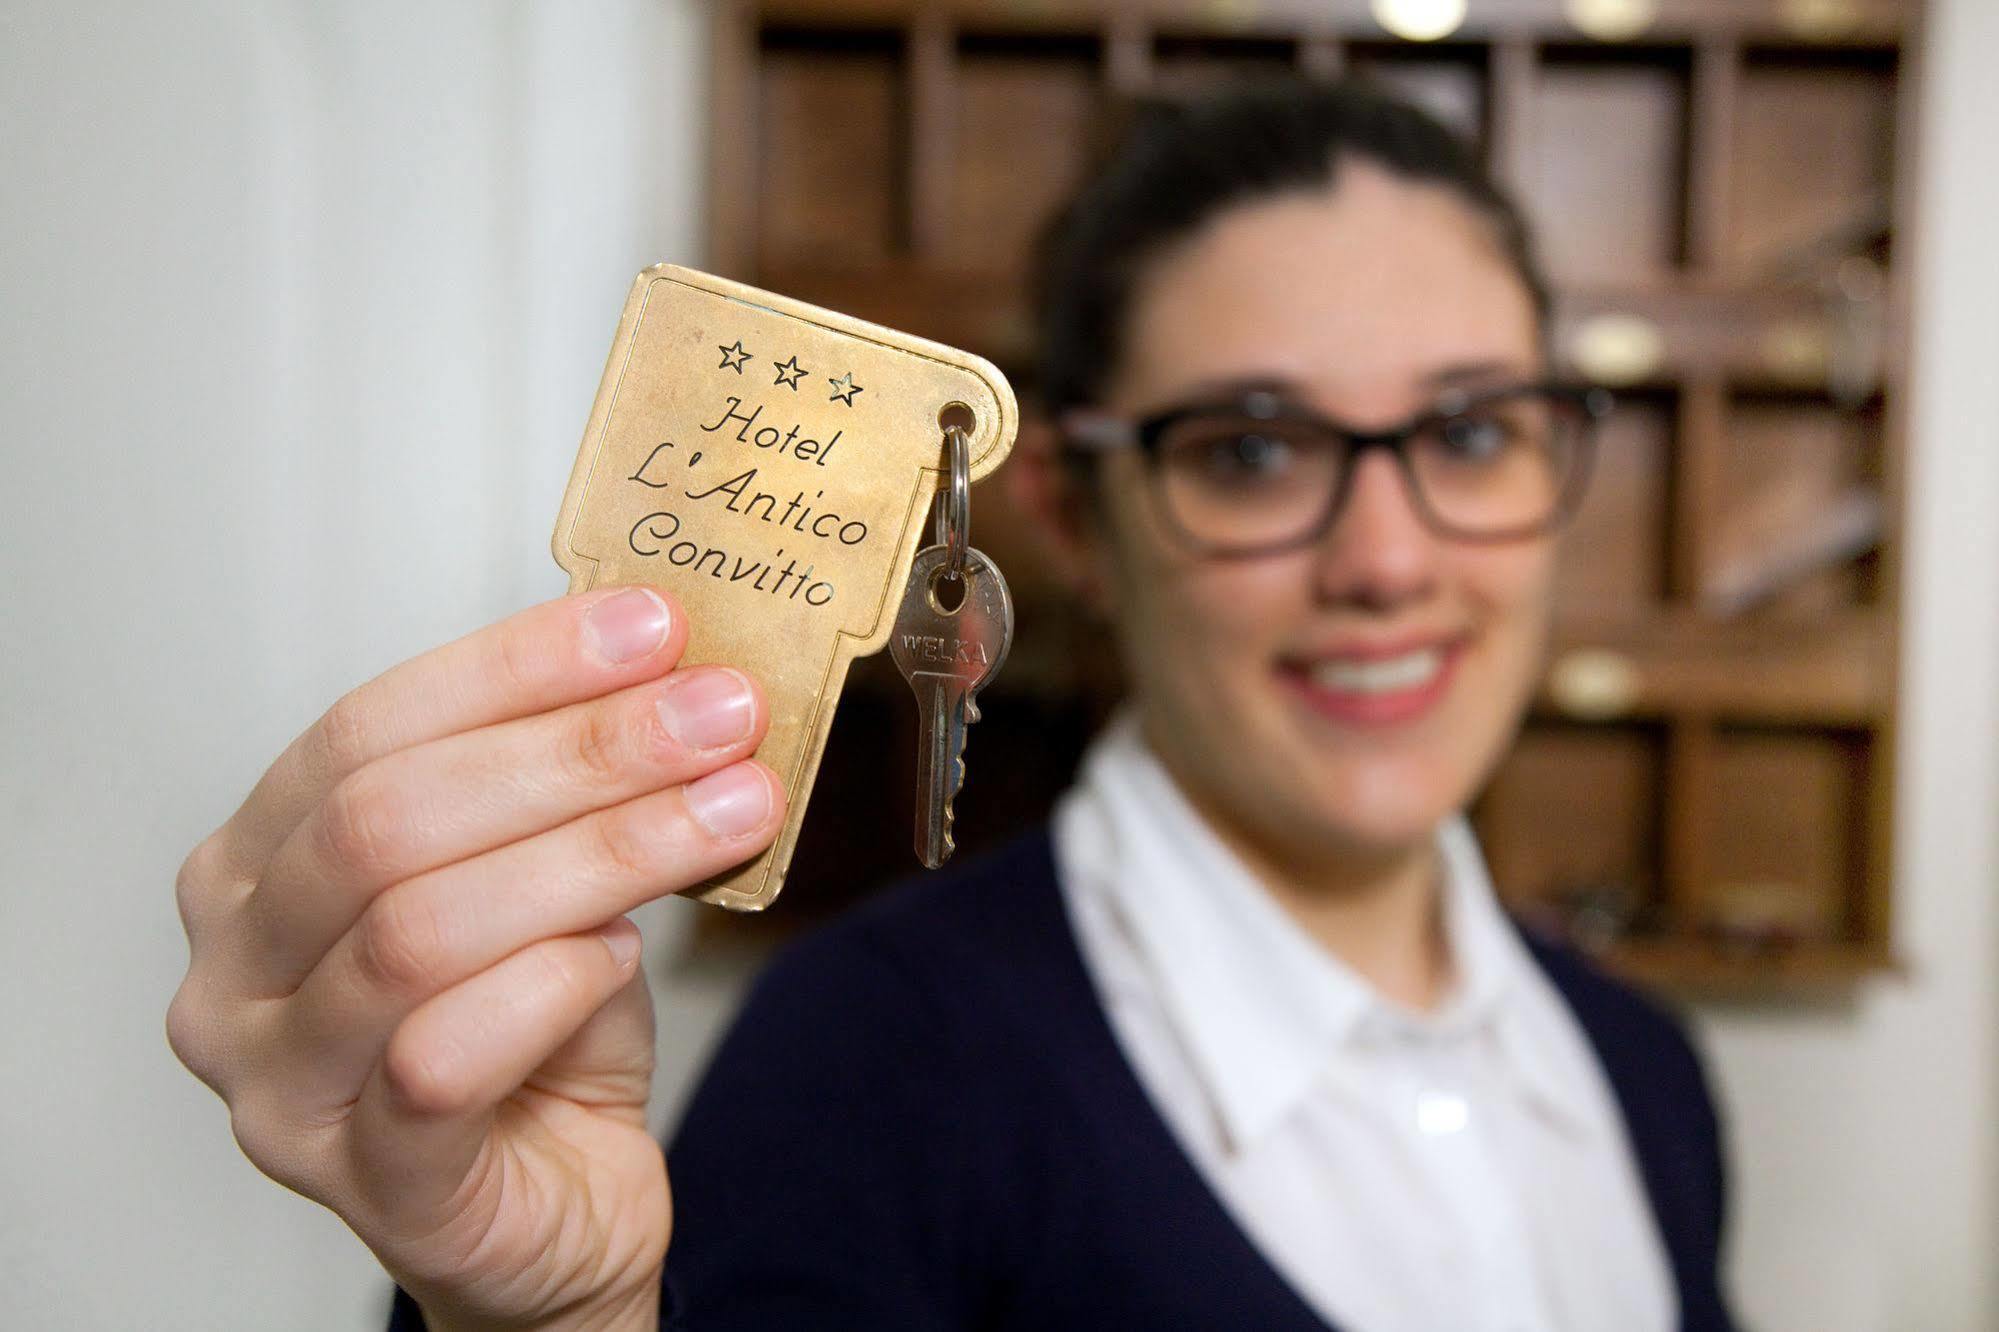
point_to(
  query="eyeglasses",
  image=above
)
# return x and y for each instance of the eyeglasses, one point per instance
(1257, 474)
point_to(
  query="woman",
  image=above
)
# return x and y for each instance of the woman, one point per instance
(1242, 1040)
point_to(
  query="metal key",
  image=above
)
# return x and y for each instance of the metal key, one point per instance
(947, 656)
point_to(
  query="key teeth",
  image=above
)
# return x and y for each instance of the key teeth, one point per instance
(950, 812)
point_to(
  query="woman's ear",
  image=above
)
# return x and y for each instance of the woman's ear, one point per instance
(1059, 508)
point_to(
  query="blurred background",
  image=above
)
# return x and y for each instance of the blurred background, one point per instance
(303, 308)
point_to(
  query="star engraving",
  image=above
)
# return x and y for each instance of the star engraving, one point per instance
(788, 373)
(844, 389)
(734, 357)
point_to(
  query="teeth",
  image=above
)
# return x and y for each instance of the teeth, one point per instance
(1387, 676)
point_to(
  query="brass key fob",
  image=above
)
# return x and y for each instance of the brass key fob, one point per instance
(771, 464)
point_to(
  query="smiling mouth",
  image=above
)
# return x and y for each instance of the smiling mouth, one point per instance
(1375, 690)
(1390, 675)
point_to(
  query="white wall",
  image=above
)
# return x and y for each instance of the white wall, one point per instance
(302, 308)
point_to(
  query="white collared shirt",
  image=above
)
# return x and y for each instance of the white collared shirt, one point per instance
(1464, 1170)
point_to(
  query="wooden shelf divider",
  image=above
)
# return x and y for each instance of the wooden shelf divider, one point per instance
(1511, 134)
(1128, 63)
(932, 129)
(1712, 100)
(1688, 820)
(732, 141)
(1322, 57)
(1696, 484)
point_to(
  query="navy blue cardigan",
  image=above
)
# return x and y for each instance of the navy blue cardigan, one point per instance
(922, 1121)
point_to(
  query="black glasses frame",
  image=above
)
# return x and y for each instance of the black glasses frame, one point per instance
(1088, 433)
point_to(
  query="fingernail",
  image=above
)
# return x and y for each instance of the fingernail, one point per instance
(708, 709)
(627, 626)
(622, 938)
(731, 802)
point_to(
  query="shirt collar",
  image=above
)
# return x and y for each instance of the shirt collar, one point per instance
(1501, 985)
(1262, 1010)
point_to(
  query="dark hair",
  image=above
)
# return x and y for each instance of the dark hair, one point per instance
(1180, 162)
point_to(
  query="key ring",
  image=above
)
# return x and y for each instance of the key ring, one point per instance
(953, 529)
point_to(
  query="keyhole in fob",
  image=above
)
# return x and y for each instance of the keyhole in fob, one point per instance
(956, 414)
(947, 592)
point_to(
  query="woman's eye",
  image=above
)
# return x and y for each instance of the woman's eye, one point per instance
(1244, 456)
(1473, 438)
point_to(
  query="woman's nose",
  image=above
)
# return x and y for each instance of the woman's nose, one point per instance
(1378, 552)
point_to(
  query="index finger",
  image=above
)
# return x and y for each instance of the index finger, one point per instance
(547, 656)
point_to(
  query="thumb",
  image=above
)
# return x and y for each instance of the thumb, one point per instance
(571, 1016)
(608, 1063)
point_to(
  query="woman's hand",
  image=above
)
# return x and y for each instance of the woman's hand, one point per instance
(410, 979)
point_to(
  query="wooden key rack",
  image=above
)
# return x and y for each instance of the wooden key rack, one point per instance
(1723, 199)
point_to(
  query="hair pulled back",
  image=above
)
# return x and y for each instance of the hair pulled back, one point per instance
(1180, 162)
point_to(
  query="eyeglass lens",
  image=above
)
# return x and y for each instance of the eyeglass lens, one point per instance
(1237, 482)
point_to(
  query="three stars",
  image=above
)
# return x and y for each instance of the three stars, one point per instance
(789, 372)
